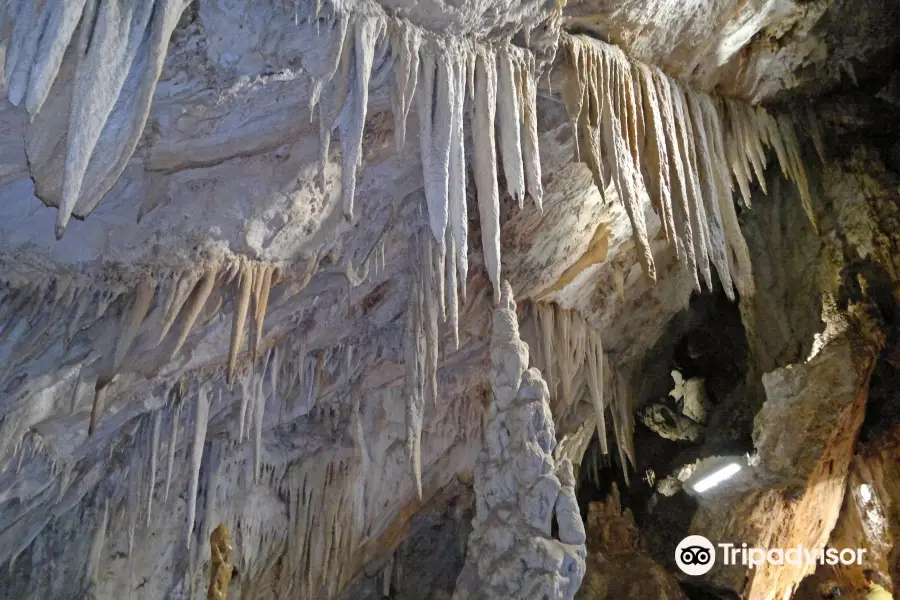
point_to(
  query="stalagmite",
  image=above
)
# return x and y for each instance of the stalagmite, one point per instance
(245, 284)
(366, 34)
(154, 451)
(508, 125)
(485, 109)
(143, 295)
(200, 424)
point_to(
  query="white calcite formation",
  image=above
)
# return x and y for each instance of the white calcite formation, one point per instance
(570, 353)
(519, 488)
(116, 49)
(655, 140)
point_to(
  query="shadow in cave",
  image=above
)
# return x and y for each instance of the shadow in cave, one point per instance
(707, 341)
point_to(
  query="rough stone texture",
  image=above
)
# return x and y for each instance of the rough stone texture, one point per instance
(784, 517)
(519, 488)
(616, 566)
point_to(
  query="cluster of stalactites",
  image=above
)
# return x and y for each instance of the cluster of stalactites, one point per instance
(118, 48)
(447, 80)
(569, 352)
(655, 140)
(161, 303)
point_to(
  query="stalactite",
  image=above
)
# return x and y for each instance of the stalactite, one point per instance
(597, 385)
(612, 73)
(329, 110)
(269, 278)
(657, 157)
(710, 192)
(691, 147)
(452, 305)
(695, 211)
(432, 275)
(143, 295)
(331, 64)
(573, 349)
(259, 412)
(508, 125)
(200, 424)
(414, 392)
(531, 156)
(456, 200)
(484, 113)
(173, 445)
(98, 543)
(154, 452)
(98, 407)
(245, 284)
(198, 299)
(405, 42)
(435, 100)
(366, 34)
(118, 43)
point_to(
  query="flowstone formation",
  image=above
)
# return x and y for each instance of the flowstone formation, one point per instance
(519, 488)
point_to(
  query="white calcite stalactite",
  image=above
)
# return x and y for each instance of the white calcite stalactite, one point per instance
(143, 295)
(573, 350)
(692, 146)
(484, 113)
(367, 32)
(405, 43)
(456, 201)
(173, 446)
(434, 102)
(118, 47)
(519, 488)
(531, 156)
(414, 390)
(606, 117)
(201, 420)
(154, 459)
(510, 116)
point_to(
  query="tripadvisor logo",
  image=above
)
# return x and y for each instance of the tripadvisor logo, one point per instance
(696, 555)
